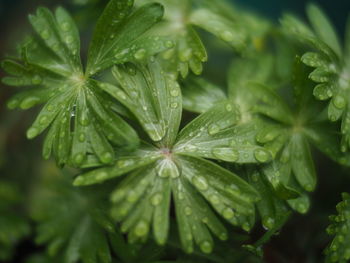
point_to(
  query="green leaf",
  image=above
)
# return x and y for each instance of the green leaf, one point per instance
(214, 134)
(327, 141)
(80, 235)
(243, 71)
(270, 207)
(122, 165)
(59, 34)
(338, 250)
(221, 188)
(323, 27)
(152, 95)
(199, 95)
(230, 32)
(278, 174)
(119, 35)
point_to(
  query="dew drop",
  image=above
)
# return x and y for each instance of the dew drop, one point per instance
(268, 222)
(140, 54)
(43, 120)
(339, 102)
(223, 236)
(125, 163)
(106, 157)
(228, 213)
(45, 34)
(262, 155)
(213, 129)
(188, 211)
(36, 80)
(169, 44)
(156, 199)
(78, 158)
(190, 148)
(226, 154)
(65, 26)
(200, 182)
(174, 105)
(206, 247)
(69, 39)
(228, 107)
(174, 92)
(227, 36)
(82, 137)
(141, 228)
(214, 199)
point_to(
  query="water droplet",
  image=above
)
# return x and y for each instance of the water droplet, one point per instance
(227, 36)
(141, 228)
(169, 44)
(43, 120)
(140, 54)
(228, 107)
(200, 182)
(226, 154)
(206, 247)
(175, 92)
(45, 34)
(167, 168)
(132, 196)
(78, 158)
(246, 226)
(214, 199)
(262, 155)
(36, 80)
(223, 236)
(339, 102)
(213, 129)
(188, 211)
(65, 26)
(156, 199)
(69, 39)
(174, 105)
(82, 137)
(84, 121)
(106, 157)
(190, 148)
(125, 163)
(228, 213)
(268, 222)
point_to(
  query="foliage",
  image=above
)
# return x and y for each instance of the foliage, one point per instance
(157, 157)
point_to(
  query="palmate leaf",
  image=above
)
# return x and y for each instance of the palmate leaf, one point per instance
(240, 29)
(199, 95)
(339, 249)
(142, 199)
(77, 113)
(78, 226)
(189, 52)
(331, 64)
(152, 95)
(119, 35)
(215, 134)
(13, 224)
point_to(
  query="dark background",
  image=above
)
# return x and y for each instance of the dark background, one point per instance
(301, 240)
